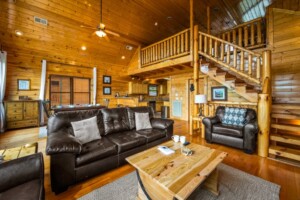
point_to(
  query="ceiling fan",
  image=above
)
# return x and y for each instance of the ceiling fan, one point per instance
(101, 31)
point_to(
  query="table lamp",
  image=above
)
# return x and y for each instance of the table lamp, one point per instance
(200, 99)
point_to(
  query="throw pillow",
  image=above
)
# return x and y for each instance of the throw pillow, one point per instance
(142, 121)
(234, 116)
(86, 130)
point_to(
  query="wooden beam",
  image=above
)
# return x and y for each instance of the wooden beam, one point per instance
(196, 66)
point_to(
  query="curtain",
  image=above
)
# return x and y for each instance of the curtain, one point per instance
(42, 91)
(3, 70)
(94, 85)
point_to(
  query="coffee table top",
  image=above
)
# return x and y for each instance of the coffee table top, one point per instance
(177, 173)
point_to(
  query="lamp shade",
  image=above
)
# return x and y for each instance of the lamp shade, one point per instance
(200, 98)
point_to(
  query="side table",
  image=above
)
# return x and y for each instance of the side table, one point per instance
(199, 127)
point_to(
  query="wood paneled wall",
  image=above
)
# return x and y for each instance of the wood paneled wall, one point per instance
(284, 37)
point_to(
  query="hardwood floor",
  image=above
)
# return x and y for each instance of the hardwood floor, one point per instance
(287, 176)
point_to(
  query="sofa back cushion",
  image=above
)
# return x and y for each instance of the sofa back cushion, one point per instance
(143, 109)
(234, 116)
(62, 120)
(115, 120)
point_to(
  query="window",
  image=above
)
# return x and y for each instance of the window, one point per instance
(65, 90)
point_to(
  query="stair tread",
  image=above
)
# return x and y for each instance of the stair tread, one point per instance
(285, 152)
(290, 139)
(285, 116)
(294, 128)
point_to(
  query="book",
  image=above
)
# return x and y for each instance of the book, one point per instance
(165, 150)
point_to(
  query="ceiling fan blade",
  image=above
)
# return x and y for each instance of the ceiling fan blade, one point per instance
(112, 33)
(83, 26)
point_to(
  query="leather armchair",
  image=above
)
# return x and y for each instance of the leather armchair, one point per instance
(240, 137)
(23, 178)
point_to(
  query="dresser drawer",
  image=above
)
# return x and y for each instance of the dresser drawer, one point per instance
(14, 116)
(23, 123)
(14, 105)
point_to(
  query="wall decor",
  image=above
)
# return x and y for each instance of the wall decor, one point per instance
(106, 79)
(219, 93)
(106, 90)
(23, 84)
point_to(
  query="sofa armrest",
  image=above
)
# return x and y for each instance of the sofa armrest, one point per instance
(161, 123)
(21, 170)
(209, 122)
(250, 135)
(62, 142)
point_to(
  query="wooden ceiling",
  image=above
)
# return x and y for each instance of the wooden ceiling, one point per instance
(133, 19)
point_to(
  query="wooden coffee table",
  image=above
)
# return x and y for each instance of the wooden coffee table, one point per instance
(18, 152)
(176, 176)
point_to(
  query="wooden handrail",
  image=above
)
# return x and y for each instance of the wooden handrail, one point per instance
(169, 48)
(243, 24)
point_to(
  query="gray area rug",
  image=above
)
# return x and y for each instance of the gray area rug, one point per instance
(42, 132)
(233, 185)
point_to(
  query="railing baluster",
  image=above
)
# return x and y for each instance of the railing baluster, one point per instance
(216, 53)
(258, 67)
(252, 34)
(240, 36)
(186, 45)
(249, 64)
(222, 51)
(234, 37)
(228, 37)
(200, 42)
(205, 44)
(182, 43)
(210, 47)
(242, 66)
(234, 58)
(228, 54)
(174, 46)
(246, 36)
(259, 38)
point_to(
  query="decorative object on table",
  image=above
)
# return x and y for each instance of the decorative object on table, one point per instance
(23, 98)
(107, 90)
(175, 138)
(106, 79)
(23, 84)
(200, 99)
(233, 184)
(182, 139)
(219, 93)
(186, 151)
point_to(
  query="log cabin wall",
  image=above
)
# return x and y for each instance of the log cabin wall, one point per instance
(283, 34)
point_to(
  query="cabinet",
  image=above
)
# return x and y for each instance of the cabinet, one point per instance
(20, 114)
(137, 88)
(164, 88)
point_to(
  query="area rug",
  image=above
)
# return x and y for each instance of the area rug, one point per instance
(43, 131)
(233, 185)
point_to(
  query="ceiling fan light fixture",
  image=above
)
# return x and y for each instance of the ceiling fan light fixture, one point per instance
(100, 33)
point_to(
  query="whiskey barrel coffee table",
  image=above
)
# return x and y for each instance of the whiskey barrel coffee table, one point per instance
(176, 175)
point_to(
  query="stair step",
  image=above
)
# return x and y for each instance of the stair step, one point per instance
(289, 139)
(230, 78)
(221, 73)
(285, 116)
(285, 152)
(251, 90)
(286, 127)
(240, 84)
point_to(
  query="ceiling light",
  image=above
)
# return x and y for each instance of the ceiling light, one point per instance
(83, 48)
(19, 33)
(123, 57)
(128, 47)
(156, 23)
(100, 33)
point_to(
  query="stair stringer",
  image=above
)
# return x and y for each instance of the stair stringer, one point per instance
(240, 90)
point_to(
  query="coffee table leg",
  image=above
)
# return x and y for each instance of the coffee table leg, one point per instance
(211, 182)
(142, 194)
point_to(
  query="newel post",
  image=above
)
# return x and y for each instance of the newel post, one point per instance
(264, 106)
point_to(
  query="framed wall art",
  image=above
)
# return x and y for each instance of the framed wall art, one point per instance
(107, 79)
(219, 93)
(106, 90)
(23, 84)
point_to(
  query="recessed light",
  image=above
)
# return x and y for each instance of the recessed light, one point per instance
(19, 33)
(128, 47)
(83, 48)
(156, 24)
(123, 57)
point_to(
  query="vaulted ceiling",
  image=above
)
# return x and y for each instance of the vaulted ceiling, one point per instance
(134, 20)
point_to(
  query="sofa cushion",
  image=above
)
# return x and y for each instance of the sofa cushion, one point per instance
(131, 114)
(152, 134)
(127, 140)
(26, 191)
(115, 120)
(224, 129)
(96, 150)
(142, 121)
(234, 116)
(86, 130)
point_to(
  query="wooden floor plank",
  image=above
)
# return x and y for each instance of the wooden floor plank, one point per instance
(287, 176)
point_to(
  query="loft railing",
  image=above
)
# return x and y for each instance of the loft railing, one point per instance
(243, 62)
(250, 34)
(172, 47)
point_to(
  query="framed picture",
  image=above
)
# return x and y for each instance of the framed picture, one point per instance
(219, 93)
(23, 84)
(107, 79)
(107, 90)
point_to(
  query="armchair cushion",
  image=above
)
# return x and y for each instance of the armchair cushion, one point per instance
(224, 129)
(127, 140)
(234, 116)
(96, 150)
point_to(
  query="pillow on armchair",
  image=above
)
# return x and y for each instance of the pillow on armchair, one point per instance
(234, 116)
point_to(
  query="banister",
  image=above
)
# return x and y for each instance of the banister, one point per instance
(242, 25)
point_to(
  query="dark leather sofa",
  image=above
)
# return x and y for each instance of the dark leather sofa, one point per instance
(242, 137)
(23, 178)
(72, 162)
